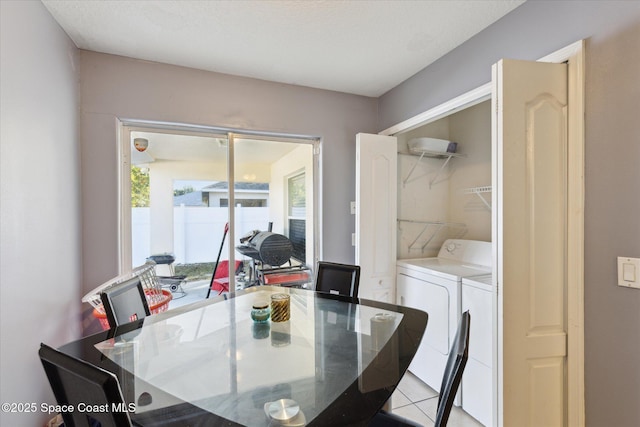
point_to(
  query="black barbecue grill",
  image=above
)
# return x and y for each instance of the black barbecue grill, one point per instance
(268, 248)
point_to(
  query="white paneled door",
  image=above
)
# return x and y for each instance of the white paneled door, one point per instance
(530, 236)
(376, 213)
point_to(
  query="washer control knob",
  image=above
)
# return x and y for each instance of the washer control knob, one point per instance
(451, 247)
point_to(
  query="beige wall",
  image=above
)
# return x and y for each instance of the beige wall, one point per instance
(40, 259)
(471, 128)
(445, 200)
(115, 87)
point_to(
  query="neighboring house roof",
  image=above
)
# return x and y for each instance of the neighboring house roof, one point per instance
(246, 186)
(195, 197)
(189, 199)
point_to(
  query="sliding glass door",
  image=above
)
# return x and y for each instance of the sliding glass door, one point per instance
(281, 170)
(181, 188)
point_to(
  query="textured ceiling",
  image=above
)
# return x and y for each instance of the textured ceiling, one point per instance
(359, 47)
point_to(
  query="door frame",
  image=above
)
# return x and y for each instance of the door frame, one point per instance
(126, 126)
(574, 56)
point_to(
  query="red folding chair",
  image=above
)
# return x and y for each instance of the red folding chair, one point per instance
(220, 276)
(220, 280)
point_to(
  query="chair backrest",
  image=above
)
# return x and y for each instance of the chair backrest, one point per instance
(341, 279)
(75, 382)
(223, 268)
(125, 302)
(453, 371)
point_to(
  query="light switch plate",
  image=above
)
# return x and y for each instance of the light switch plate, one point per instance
(629, 272)
(353, 208)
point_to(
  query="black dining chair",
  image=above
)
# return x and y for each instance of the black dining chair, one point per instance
(125, 302)
(451, 378)
(93, 393)
(339, 279)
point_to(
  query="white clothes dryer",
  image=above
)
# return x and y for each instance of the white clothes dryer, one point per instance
(477, 382)
(434, 285)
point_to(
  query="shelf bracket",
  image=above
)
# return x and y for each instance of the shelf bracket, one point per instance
(478, 192)
(439, 171)
(431, 154)
(404, 181)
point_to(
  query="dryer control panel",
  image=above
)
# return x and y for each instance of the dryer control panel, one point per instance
(471, 251)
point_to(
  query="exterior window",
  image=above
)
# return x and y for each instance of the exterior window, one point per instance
(297, 212)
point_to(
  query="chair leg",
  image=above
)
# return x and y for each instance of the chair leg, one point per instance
(223, 283)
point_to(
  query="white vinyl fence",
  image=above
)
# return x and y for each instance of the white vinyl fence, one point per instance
(197, 232)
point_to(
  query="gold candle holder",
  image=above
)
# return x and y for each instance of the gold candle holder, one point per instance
(280, 308)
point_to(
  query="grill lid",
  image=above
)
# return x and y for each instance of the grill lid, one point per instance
(273, 248)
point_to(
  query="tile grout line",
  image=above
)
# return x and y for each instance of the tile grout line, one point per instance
(426, 415)
(406, 397)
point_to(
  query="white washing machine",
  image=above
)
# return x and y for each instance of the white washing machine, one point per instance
(434, 285)
(477, 384)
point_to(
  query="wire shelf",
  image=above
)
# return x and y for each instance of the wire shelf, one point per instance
(478, 191)
(434, 228)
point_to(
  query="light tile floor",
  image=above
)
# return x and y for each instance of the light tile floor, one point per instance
(416, 401)
(413, 399)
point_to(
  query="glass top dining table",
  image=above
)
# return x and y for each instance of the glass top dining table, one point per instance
(336, 361)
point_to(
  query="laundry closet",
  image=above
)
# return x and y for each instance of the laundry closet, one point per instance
(443, 246)
(445, 195)
(515, 186)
